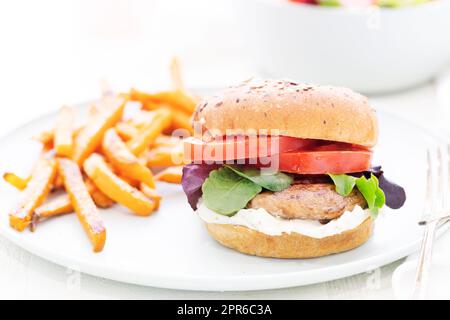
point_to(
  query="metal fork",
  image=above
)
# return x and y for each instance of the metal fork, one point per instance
(436, 213)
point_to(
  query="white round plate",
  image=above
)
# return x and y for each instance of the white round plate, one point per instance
(171, 249)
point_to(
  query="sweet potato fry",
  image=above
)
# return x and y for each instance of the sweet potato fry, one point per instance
(166, 156)
(142, 119)
(90, 137)
(62, 204)
(64, 132)
(128, 165)
(116, 188)
(83, 204)
(150, 105)
(126, 131)
(58, 183)
(166, 141)
(148, 134)
(34, 194)
(46, 138)
(178, 99)
(100, 199)
(151, 193)
(16, 181)
(180, 120)
(175, 74)
(132, 182)
(170, 175)
(55, 207)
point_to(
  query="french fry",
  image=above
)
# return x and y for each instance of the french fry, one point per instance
(142, 119)
(83, 204)
(58, 183)
(46, 138)
(136, 95)
(170, 175)
(166, 156)
(156, 158)
(34, 194)
(151, 193)
(55, 207)
(101, 200)
(178, 99)
(116, 188)
(166, 141)
(90, 137)
(175, 74)
(16, 181)
(126, 131)
(180, 120)
(62, 204)
(150, 105)
(63, 139)
(128, 165)
(132, 182)
(148, 134)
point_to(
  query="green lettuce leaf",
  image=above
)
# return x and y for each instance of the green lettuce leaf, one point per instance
(277, 181)
(226, 192)
(371, 191)
(369, 188)
(344, 183)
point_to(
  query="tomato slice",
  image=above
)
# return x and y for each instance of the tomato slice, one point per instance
(326, 159)
(241, 147)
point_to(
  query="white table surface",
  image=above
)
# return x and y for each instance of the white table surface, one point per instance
(58, 57)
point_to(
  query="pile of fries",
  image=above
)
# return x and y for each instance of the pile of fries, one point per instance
(107, 160)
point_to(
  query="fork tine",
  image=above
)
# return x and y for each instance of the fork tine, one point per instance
(444, 178)
(442, 182)
(430, 180)
(433, 167)
(437, 184)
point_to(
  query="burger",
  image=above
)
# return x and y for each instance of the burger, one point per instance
(283, 169)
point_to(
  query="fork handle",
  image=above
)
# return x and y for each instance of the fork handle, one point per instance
(423, 267)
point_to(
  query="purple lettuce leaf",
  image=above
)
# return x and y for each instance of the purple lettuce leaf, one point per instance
(193, 177)
(395, 194)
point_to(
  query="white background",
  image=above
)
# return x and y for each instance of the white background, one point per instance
(56, 52)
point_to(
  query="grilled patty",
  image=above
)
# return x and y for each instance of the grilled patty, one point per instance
(318, 201)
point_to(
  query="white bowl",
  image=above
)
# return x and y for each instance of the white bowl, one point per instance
(371, 50)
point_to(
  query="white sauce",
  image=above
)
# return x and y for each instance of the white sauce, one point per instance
(262, 221)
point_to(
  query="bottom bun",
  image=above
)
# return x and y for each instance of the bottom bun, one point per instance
(288, 246)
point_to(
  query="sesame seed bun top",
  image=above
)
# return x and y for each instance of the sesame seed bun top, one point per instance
(293, 109)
